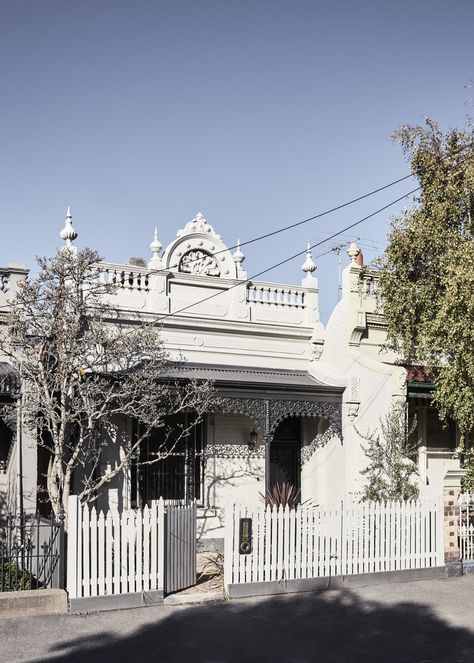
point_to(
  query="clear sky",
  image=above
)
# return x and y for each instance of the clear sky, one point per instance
(257, 113)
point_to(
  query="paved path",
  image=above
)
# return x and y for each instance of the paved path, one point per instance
(415, 622)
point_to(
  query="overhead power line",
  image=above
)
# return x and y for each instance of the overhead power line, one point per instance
(321, 214)
(289, 258)
(285, 228)
(290, 226)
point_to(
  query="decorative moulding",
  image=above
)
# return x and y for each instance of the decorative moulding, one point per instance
(352, 410)
(234, 451)
(198, 225)
(199, 251)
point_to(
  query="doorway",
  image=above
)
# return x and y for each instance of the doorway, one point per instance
(285, 453)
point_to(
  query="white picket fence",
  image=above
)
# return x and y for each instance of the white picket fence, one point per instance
(466, 526)
(348, 538)
(114, 553)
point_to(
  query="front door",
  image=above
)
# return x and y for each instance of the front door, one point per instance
(285, 453)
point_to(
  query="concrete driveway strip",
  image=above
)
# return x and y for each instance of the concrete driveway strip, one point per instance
(415, 622)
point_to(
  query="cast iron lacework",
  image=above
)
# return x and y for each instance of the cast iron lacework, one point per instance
(249, 407)
(280, 410)
(234, 451)
(319, 441)
(277, 411)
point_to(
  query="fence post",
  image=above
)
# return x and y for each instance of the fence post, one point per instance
(161, 544)
(228, 543)
(62, 552)
(72, 542)
(451, 491)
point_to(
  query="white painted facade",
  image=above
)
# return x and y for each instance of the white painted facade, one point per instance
(210, 315)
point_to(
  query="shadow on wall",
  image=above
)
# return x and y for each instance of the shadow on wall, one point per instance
(332, 627)
(223, 477)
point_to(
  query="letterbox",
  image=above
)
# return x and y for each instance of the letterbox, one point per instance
(245, 536)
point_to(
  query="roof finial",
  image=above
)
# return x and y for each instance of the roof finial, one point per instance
(308, 266)
(238, 257)
(355, 254)
(68, 234)
(155, 246)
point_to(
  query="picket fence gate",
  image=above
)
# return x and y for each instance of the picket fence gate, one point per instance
(344, 539)
(121, 559)
(466, 527)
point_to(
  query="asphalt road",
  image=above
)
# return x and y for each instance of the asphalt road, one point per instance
(414, 622)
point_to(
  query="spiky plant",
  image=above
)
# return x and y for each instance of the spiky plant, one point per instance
(282, 494)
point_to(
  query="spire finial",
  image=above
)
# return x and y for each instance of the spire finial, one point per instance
(68, 234)
(308, 266)
(155, 246)
(238, 256)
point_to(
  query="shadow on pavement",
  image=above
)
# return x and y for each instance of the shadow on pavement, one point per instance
(331, 627)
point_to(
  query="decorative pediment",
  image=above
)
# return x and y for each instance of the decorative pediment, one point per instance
(198, 250)
(198, 225)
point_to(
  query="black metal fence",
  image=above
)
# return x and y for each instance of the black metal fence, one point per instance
(31, 554)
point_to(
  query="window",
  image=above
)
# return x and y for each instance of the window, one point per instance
(439, 435)
(177, 476)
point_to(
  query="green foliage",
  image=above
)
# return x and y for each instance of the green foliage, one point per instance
(467, 482)
(15, 578)
(427, 279)
(282, 494)
(390, 471)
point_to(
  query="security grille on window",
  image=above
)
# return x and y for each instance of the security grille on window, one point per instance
(170, 463)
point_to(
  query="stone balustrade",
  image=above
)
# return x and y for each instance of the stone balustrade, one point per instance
(128, 277)
(165, 292)
(275, 295)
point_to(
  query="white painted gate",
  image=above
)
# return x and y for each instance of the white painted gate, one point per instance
(345, 539)
(120, 559)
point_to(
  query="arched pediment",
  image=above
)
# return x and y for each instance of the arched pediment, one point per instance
(199, 250)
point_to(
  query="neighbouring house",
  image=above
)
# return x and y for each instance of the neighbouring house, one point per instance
(18, 453)
(293, 394)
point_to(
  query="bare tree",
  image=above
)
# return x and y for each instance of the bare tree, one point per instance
(82, 366)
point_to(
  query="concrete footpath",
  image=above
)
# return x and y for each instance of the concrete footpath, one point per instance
(412, 622)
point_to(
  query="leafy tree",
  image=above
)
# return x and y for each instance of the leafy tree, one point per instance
(427, 279)
(83, 366)
(390, 472)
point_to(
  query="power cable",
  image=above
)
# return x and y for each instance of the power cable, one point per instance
(282, 229)
(286, 260)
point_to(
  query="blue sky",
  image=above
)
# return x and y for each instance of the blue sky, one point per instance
(256, 113)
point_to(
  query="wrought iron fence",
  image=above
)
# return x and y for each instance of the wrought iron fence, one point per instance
(31, 554)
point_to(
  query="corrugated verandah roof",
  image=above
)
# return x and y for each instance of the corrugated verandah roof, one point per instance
(250, 376)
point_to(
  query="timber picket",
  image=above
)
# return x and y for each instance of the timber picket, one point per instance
(119, 553)
(343, 539)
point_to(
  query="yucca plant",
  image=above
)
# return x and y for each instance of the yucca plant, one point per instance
(282, 494)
